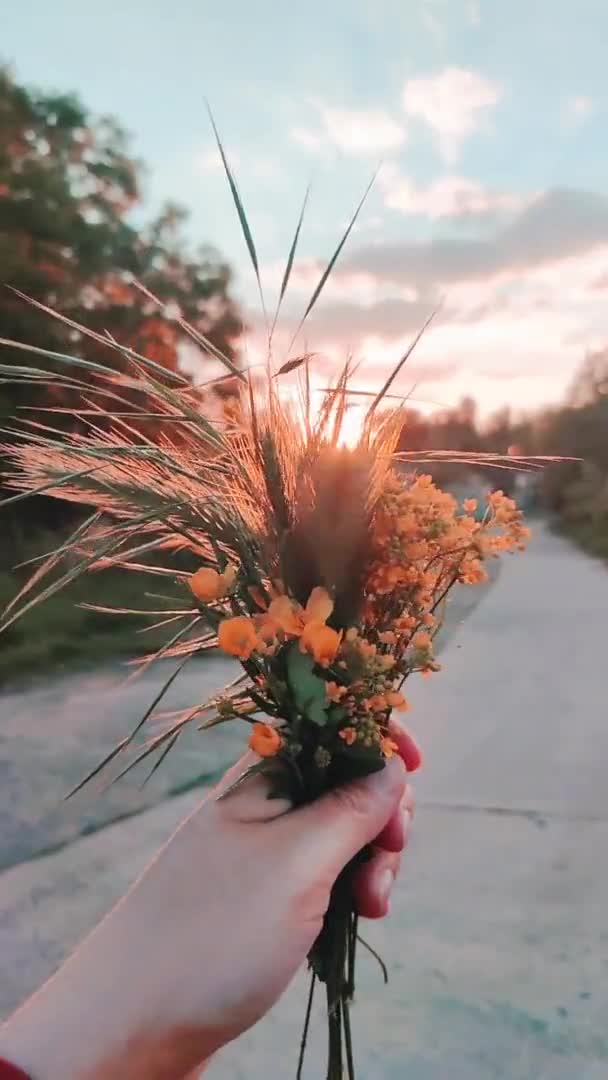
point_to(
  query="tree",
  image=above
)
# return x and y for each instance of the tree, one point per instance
(68, 185)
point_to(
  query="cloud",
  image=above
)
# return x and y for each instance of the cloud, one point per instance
(309, 140)
(447, 196)
(453, 103)
(353, 131)
(385, 320)
(558, 224)
(577, 110)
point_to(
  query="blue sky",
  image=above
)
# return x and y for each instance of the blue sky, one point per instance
(489, 119)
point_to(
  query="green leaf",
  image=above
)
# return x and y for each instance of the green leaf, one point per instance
(307, 688)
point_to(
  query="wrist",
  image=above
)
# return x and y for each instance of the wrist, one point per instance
(95, 1018)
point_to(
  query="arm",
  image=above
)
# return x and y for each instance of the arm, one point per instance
(184, 963)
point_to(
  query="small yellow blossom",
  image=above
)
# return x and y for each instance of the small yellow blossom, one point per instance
(283, 611)
(349, 735)
(388, 747)
(334, 692)
(377, 703)
(319, 606)
(396, 700)
(321, 641)
(237, 636)
(265, 740)
(206, 584)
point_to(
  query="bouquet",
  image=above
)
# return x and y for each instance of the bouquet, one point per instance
(323, 569)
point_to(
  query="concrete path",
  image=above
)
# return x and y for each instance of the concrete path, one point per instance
(498, 941)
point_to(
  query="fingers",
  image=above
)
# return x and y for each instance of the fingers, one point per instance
(374, 883)
(249, 802)
(408, 748)
(332, 830)
(393, 835)
(375, 879)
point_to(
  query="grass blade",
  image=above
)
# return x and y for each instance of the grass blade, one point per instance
(393, 375)
(240, 211)
(290, 259)
(332, 262)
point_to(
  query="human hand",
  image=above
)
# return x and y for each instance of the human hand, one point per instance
(213, 932)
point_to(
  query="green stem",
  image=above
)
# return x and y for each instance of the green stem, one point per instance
(311, 992)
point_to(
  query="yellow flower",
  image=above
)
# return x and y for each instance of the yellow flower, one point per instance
(265, 740)
(237, 636)
(228, 578)
(349, 735)
(321, 641)
(284, 612)
(377, 703)
(206, 584)
(396, 700)
(319, 606)
(388, 747)
(334, 692)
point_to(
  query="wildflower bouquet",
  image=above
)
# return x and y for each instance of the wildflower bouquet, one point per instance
(323, 569)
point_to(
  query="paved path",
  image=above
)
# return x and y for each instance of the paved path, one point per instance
(498, 941)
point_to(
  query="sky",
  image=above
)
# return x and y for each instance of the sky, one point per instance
(487, 121)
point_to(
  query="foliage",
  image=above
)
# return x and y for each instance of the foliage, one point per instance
(69, 186)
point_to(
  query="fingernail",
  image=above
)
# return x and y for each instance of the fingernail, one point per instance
(386, 880)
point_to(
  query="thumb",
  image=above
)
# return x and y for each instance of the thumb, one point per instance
(339, 824)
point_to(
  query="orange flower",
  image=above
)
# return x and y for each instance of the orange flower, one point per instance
(388, 747)
(265, 740)
(321, 641)
(377, 703)
(334, 692)
(284, 612)
(428, 619)
(267, 629)
(229, 577)
(387, 637)
(206, 584)
(349, 735)
(470, 505)
(422, 641)
(237, 636)
(257, 596)
(396, 700)
(319, 606)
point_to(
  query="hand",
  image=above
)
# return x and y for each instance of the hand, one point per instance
(213, 932)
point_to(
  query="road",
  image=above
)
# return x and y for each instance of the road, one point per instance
(498, 939)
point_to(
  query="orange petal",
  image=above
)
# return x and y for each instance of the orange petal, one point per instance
(237, 636)
(265, 740)
(319, 606)
(206, 584)
(284, 612)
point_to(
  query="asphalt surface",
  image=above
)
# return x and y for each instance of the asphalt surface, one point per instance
(498, 939)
